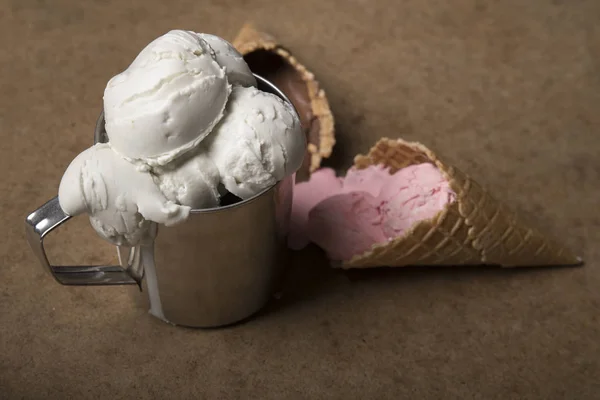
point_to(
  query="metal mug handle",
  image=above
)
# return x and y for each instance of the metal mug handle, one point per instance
(50, 216)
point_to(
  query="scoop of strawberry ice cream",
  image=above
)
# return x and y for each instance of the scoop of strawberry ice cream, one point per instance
(370, 180)
(413, 194)
(347, 216)
(323, 184)
(346, 224)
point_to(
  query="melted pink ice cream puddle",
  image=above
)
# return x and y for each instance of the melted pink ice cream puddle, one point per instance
(323, 184)
(347, 216)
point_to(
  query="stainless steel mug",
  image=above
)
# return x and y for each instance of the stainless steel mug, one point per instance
(216, 268)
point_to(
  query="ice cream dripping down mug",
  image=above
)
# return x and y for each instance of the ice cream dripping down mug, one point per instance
(216, 268)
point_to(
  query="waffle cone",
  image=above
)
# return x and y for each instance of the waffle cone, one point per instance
(318, 122)
(473, 230)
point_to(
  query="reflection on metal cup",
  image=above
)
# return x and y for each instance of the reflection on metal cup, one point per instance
(220, 265)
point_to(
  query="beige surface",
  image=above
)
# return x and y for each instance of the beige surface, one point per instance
(507, 91)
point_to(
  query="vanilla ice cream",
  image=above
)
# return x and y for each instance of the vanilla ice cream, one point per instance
(118, 197)
(257, 143)
(193, 181)
(228, 57)
(170, 97)
(184, 123)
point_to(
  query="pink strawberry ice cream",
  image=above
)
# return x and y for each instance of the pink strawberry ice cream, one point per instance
(370, 180)
(323, 184)
(347, 216)
(413, 194)
(346, 224)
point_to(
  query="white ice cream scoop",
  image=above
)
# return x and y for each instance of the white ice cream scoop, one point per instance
(118, 197)
(238, 72)
(192, 182)
(167, 100)
(257, 143)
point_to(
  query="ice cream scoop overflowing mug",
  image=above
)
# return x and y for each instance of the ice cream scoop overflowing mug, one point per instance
(216, 268)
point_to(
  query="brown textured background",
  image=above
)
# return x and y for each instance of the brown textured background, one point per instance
(509, 91)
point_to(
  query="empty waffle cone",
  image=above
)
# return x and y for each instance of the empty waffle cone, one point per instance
(473, 230)
(272, 61)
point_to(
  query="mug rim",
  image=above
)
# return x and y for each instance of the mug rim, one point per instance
(238, 204)
(99, 130)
